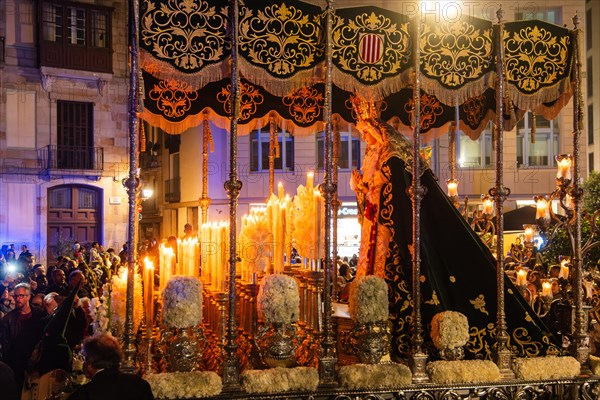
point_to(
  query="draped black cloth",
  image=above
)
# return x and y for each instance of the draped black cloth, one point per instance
(458, 271)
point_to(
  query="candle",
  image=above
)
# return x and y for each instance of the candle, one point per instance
(547, 289)
(564, 166)
(149, 291)
(564, 268)
(521, 277)
(310, 180)
(167, 266)
(542, 208)
(452, 187)
(287, 210)
(529, 232)
(280, 190)
(488, 206)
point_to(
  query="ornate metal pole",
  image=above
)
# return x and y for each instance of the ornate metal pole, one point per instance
(418, 357)
(581, 337)
(327, 356)
(132, 182)
(336, 204)
(500, 193)
(231, 367)
(206, 141)
(273, 150)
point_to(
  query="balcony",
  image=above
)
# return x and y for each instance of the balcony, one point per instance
(71, 160)
(173, 190)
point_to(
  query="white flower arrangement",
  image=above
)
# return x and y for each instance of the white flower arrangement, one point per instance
(276, 380)
(182, 302)
(549, 367)
(98, 311)
(368, 301)
(278, 299)
(185, 385)
(118, 300)
(449, 330)
(374, 376)
(464, 371)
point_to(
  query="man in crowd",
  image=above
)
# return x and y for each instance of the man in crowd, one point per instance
(23, 327)
(102, 356)
(60, 285)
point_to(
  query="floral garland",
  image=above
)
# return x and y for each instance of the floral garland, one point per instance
(280, 380)
(375, 376)
(185, 385)
(550, 367)
(278, 299)
(368, 301)
(465, 371)
(118, 300)
(182, 302)
(449, 330)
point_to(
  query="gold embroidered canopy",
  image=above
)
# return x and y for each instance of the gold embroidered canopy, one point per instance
(186, 56)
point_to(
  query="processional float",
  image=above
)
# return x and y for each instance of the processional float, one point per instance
(426, 74)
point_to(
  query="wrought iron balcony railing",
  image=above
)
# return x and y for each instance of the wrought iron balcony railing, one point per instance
(80, 158)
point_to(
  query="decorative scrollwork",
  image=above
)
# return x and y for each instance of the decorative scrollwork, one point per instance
(250, 99)
(188, 34)
(424, 395)
(280, 38)
(370, 47)
(173, 98)
(455, 52)
(304, 104)
(431, 108)
(474, 108)
(535, 57)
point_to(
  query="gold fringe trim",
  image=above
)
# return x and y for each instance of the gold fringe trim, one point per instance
(177, 128)
(277, 86)
(453, 97)
(546, 95)
(377, 91)
(163, 70)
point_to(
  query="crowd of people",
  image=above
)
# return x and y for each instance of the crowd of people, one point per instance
(31, 296)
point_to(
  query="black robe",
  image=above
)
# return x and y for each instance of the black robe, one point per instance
(458, 273)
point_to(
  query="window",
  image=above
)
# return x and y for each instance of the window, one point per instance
(590, 127)
(75, 36)
(349, 151)
(541, 149)
(75, 135)
(590, 77)
(475, 153)
(588, 29)
(259, 150)
(552, 15)
(591, 162)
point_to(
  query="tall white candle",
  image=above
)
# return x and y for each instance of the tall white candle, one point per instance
(149, 291)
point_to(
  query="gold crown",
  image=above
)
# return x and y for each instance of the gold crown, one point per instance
(364, 109)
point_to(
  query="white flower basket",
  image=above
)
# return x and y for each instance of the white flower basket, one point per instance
(278, 299)
(368, 300)
(182, 302)
(185, 385)
(449, 330)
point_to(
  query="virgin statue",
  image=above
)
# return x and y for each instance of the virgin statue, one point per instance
(458, 271)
